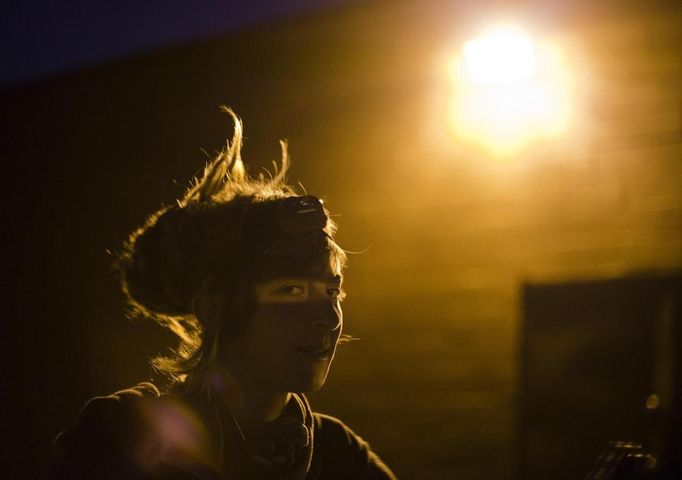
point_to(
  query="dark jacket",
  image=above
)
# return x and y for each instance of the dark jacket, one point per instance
(139, 434)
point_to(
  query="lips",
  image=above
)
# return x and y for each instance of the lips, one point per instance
(316, 352)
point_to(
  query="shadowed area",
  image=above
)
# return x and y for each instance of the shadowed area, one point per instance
(452, 235)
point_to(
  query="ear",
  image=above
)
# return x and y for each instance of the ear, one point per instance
(208, 308)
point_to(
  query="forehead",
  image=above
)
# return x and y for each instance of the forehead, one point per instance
(302, 259)
(323, 268)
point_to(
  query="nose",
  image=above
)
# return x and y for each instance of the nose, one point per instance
(328, 316)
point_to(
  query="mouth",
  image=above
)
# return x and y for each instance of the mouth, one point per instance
(316, 353)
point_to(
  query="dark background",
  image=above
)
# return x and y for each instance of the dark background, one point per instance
(94, 141)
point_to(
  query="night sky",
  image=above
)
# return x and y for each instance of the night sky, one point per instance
(41, 38)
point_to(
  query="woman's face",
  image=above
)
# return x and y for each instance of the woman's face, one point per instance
(290, 342)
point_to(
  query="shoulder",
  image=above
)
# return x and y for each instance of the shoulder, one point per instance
(342, 453)
(114, 409)
(103, 433)
(120, 401)
(113, 416)
(331, 429)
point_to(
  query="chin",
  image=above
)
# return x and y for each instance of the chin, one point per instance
(314, 387)
(305, 377)
(308, 385)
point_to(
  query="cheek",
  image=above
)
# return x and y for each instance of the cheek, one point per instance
(272, 329)
(284, 324)
(287, 316)
(279, 313)
(277, 319)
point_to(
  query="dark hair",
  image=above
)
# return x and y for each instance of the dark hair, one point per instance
(226, 232)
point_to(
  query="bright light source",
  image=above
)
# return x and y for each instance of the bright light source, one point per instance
(502, 55)
(509, 91)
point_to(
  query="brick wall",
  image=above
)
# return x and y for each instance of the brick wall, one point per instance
(449, 234)
(454, 234)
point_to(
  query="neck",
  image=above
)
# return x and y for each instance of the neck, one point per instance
(249, 404)
(258, 407)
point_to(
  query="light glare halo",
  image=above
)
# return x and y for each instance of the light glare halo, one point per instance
(500, 56)
(506, 110)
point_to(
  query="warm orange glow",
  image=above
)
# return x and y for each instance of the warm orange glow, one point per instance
(509, 90)
(500, 56)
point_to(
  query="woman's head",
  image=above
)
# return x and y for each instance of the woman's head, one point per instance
(290, 339)
(195, 267)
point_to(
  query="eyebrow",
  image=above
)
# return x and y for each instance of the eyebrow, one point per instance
(307, 276)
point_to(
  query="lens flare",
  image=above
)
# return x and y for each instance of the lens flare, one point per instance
(508, 90)
(501, 56)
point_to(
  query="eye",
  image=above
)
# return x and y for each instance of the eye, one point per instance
(336, 293)
(293, 289)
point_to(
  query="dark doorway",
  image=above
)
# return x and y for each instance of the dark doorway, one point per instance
(600, 362)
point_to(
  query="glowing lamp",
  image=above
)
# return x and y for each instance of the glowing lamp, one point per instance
(509, 91)
(501, 56)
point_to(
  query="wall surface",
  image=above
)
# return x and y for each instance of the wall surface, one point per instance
(448, 234)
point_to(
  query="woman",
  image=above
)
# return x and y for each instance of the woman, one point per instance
(247, 274)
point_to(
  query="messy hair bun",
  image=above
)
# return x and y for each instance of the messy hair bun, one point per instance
(225, 232)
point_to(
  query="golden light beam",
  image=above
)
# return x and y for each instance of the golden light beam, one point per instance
(508, 90)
